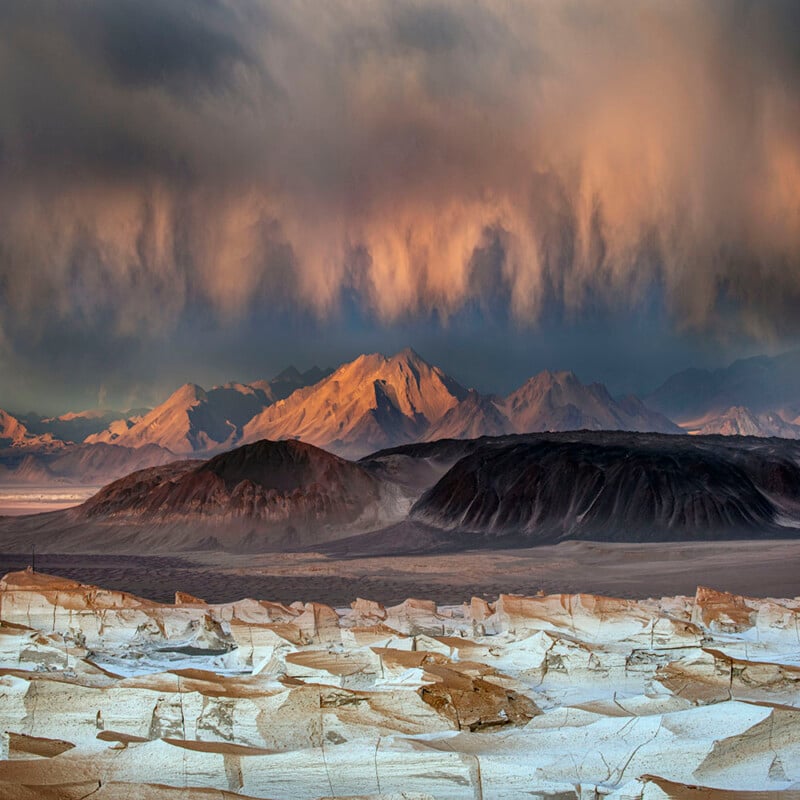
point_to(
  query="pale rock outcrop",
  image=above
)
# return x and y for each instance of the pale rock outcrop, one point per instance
(108, 695)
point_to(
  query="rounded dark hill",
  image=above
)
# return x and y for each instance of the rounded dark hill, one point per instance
(284, 467)
(266, 495)
(539, 491)
(265, 480)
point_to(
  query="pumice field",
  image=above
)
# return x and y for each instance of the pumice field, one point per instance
(108, 695)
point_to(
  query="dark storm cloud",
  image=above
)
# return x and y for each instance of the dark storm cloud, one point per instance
(182, 44)
(165, 160)
(100, 90)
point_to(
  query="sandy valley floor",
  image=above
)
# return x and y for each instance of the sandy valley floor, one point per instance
(767, 568)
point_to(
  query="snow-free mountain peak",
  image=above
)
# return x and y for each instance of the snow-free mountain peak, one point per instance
(195, 420)
(371, 402)
(189, 420)
(558, 401)
(12, 431)
(476, 415)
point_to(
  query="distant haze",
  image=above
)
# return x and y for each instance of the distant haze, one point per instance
(206, 190)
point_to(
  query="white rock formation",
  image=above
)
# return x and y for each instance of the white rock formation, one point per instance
(107, 695)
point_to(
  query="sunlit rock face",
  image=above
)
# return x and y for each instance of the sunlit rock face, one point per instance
(108, 695)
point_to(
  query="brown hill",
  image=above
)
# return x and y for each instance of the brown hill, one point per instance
(262, 496)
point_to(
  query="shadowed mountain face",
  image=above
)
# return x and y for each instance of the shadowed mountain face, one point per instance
(655, 488)
(523, 490)
(290, 380)
(757, 386)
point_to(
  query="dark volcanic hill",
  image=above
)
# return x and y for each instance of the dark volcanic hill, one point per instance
(269, 481)
(263, 496)
(505, 491)
(618, 488)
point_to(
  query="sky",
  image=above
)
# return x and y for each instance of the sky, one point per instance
(208, 190)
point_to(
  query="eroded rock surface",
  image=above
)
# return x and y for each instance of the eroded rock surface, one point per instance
(108, 695)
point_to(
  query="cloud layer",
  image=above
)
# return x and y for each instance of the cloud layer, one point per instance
(164, 155)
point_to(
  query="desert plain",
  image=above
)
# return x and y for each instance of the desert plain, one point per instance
(629, 570)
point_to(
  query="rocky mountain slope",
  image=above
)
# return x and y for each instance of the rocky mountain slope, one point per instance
(605, 486)
(558, 401)
(370, 403)
(539, 491)
(742, 421)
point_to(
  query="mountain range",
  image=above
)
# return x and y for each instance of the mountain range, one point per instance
(14, 433)
(758, 396)
(98, 446)
(377, 402)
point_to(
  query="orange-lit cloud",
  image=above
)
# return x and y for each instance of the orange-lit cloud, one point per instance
(155, 155)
